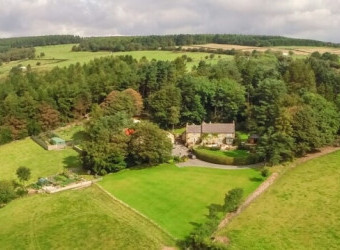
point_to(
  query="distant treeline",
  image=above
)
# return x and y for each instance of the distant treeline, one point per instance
(26, 42)
(14, 54)
(130, 43)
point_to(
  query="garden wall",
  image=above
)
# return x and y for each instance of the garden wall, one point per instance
(45, 145)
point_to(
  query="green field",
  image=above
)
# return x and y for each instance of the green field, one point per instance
(300, 211)
(29, 154)
(79, 219)
(61, 55)
(177, 198)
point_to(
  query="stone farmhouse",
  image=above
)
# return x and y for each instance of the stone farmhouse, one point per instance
(210, 134)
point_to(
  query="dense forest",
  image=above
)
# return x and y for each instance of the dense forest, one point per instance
(292, 104)
(32, 41)
(121, 43)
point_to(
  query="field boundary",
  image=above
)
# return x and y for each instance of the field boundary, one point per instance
(136, 211)
(264, 186)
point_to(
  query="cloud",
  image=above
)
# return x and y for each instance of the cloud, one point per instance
(315, 19)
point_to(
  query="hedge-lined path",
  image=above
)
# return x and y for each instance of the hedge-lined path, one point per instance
(204, 164)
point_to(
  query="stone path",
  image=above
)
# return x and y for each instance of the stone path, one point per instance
(204, 164)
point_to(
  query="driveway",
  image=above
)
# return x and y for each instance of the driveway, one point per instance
(204, 164)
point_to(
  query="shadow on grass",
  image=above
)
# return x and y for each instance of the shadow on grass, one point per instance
(256, 179)
(71, 162)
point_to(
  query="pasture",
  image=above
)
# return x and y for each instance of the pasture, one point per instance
(61, 56)
(300, 211)
(78, 219)
(29, 154)
(298, 51)
(178, 198)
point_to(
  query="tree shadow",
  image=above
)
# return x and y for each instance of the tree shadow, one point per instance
(256, 179)
(71, 162)
(79, 136)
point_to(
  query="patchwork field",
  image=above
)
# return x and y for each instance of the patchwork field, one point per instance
(29, 154)
(61, 55)
(81, 219)
(177, 198)
(297, 50)
(300, 211)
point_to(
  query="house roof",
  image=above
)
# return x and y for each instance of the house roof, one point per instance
(211, 128)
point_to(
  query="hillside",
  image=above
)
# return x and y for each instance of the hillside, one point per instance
(300, 211)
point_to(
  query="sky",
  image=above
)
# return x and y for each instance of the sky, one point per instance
(313, 19)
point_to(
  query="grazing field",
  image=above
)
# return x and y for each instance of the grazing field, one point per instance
(29, 154)
(61, 55)
(300, 211)
(297, 50)
(78, 219)
(177, 198)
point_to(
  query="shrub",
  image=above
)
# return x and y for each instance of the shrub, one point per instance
(265, 172)
(21, 192)
(233, 199)
(225, 160)
(7, 192)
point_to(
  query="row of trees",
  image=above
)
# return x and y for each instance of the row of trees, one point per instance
(33, 41)
(131, 43)
(15, 54)
(291, 104)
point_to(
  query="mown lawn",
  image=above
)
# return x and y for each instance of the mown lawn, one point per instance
(29, 154)
(177, 198)
(78, 219)
(300, 211)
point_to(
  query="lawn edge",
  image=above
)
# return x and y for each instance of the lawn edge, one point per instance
(136, 211)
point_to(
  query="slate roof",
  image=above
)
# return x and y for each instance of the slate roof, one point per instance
(220, 128)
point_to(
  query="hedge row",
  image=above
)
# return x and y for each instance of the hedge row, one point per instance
(225, 160)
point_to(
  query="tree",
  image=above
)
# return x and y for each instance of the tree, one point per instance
(24, 174)
(106, 144)
(164, 105)
(120, 102)
(7, 192)
(48, 117)
(137, 100)
(149, 145)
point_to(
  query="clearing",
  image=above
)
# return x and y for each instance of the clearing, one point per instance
(178, 198)
(300, 210)
(29, 154)
(81, 219)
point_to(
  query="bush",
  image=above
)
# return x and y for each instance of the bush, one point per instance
(225, 160)
(233, 199)
(7, 192)
(265, 172)
(21, 192)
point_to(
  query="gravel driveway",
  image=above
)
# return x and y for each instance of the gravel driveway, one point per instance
(204, 164)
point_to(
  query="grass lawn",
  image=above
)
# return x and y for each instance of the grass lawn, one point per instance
(61, 55)
(177, 198)
(69, 133)
(243, 136)
(231, 153)
(300, 211)
(78, 219)
(29, 154)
